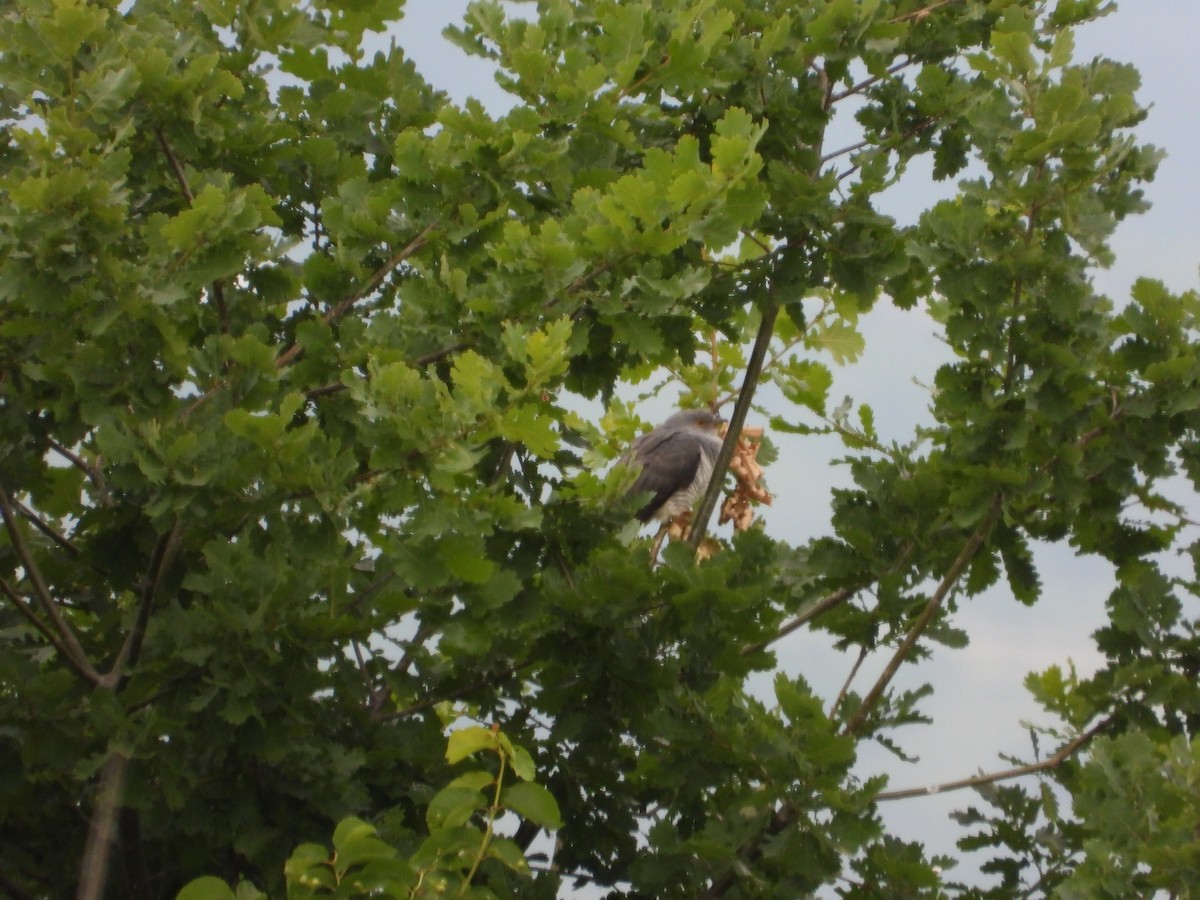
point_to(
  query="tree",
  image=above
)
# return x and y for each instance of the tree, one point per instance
(295, 477)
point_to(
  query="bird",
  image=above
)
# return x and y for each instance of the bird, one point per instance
(674, 463)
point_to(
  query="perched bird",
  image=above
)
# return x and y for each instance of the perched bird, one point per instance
(676, 462)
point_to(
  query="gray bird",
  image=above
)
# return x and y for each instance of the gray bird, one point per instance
(675, 461)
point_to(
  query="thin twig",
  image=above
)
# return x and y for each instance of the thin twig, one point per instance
(160, 561)
(867, 82)
(339, 309)
(217, 289)
(837, 703)
(923, 12)
(438, 355)
(324, 390)
(970, 548)
(837, 598)
(47, 529)
(1051, 762)
(176, 166)
(844, 150)
(94, 473)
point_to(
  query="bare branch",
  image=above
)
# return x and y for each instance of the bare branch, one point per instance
(1051, 762)
(922, 13)
(970, 548)
(45, 528)
(867, 82)
(716, 482)
(802, 618)
(837, 703)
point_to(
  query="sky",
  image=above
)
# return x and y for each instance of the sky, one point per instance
(979, 703)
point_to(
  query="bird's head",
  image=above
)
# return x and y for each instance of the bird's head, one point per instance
(696, 419)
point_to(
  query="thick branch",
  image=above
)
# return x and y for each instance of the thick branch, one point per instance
(66, 637)
(974, 542)
(97, 852)
(1065, 752)
(745, 397)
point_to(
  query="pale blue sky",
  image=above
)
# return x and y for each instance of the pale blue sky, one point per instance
(979, 701)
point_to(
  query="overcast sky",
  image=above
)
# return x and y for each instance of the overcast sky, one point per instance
(979, 702)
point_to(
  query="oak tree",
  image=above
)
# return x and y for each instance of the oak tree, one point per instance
(310, 380)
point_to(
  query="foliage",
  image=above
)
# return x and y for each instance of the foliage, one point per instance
(292, 355)
(446, 863)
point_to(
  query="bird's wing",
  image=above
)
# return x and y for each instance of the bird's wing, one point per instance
(668, 463)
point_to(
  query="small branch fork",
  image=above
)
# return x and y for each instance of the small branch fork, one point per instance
(107, 817)
(786, 814)
(58, 631)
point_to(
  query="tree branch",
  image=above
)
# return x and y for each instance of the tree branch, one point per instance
(66, 636)
(1065, 752)
(45, 528)
(80, 667)
(94, 473)
(93, 871)
(160, 560)
(716, 481)
(217, 289)
(340, 308)
(867, 82)
(837, 703)
(922, 13)
(828, 602)
(974, 542)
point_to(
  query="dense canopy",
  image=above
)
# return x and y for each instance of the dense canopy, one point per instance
(310, 538)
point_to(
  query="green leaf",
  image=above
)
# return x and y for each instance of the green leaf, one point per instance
(509, 854)
(533, 802)
(208, 887)
(452, 807)
(467, 741)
